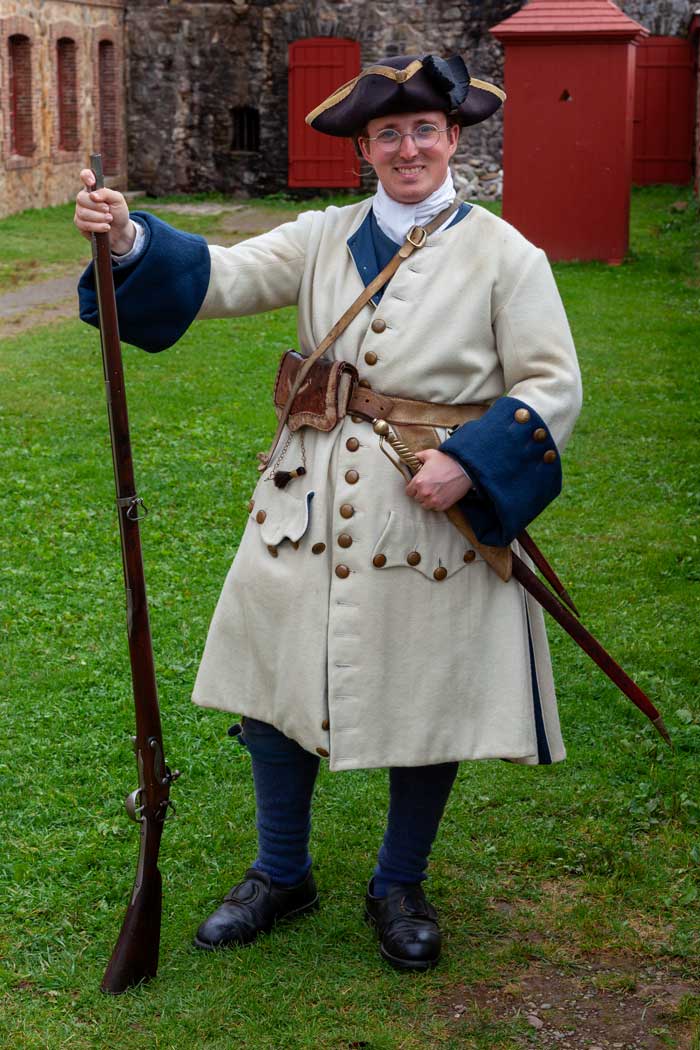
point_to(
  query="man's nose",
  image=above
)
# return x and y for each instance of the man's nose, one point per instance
(408, 147)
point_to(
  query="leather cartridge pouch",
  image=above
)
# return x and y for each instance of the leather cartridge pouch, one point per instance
(322, 399)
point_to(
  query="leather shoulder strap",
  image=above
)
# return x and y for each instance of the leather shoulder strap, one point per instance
(415, 239)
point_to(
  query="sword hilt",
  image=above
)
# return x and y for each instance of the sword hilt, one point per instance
(382, 428)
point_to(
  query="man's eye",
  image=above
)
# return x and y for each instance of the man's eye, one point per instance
(426, 129)
(388, 135)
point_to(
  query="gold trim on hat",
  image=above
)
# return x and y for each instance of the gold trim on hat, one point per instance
(399, 75)
(488, 87)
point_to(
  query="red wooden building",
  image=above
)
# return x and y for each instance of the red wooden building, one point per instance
(568, 126)
(664, 110)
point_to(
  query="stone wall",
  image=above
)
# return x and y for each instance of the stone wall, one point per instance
(661, 17)
(192, 62)
(188, 64)
(201, 60)
(40, 157)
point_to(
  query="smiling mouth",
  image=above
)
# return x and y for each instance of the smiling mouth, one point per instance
(409, 169)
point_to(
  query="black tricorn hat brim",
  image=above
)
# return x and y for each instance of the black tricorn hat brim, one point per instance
(406, 84)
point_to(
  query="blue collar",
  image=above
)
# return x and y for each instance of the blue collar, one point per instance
(371, 249)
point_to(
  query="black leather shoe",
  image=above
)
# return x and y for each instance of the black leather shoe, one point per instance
(253, 907)
(409, 935)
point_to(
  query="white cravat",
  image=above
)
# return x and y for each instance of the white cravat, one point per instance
(395, 219)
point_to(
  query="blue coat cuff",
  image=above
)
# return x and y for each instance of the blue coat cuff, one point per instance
(160, 293)
(514, 463)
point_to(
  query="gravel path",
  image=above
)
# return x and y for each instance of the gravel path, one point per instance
(44, 302)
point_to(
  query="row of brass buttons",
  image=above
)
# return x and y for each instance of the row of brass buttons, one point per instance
(414, 558)
(522, 415)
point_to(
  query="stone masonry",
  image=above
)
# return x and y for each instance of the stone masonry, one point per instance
(44, 140)
(200, 60)
(180, 73)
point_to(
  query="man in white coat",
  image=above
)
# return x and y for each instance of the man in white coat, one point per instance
(349, 580)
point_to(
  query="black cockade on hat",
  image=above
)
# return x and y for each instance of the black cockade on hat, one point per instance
(449, 75)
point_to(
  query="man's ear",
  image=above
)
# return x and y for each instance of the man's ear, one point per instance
(360, 147)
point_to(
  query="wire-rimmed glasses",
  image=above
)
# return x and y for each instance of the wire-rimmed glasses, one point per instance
(425, 136)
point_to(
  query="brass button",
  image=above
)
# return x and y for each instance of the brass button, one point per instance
(342, 572)
(357, 419)
(370, 357)
(365, 384)
(260, 517)
(251, 504)
(344, 540)
(469, 556)
(440, 573)
(379, 561)
(318, 548)
(325, 724)
(322, 752)
(352, 477)
(352, 444)
(378, 325)
(522, 415)
(540, 434)
(347, 510)
(295, 544)
(549, 456)
(272, 550)
(413, 558)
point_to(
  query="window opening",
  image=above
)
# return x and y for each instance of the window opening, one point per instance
(20, 70)
(246, 128)
(109, 125)
(67, 71)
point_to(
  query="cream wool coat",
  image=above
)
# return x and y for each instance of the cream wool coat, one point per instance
(389, 666)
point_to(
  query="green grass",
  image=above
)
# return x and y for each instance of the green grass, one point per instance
(43, 243)
(594, 858)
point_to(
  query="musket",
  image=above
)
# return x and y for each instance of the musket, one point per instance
(135, 955)
(529, 582)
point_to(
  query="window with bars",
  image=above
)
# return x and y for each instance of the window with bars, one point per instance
(246, 128)
(20, 76)
(67, 94)
(109, 107)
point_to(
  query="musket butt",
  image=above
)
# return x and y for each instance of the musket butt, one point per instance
(659, 725)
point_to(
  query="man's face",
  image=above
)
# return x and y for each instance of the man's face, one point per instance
(412, 171)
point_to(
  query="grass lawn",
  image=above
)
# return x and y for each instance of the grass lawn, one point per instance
(570, 894)
(41, 244)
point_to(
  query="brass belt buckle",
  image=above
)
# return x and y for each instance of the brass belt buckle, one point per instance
(419, 233)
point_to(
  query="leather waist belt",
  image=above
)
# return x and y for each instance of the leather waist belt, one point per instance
(404, 411)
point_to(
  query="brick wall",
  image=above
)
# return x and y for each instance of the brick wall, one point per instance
(58, 123)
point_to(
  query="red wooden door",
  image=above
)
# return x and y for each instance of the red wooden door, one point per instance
(664, 111)
(317, 66)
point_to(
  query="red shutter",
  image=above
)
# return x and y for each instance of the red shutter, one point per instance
(317, 66)
(664, 111)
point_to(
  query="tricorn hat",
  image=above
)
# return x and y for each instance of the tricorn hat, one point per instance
(406, 84)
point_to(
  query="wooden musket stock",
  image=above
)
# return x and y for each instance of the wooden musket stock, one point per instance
(135, 955)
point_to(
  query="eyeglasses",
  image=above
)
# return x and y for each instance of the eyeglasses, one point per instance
(425, 137)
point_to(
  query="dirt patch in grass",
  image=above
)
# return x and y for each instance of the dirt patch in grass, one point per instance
(608, 1002)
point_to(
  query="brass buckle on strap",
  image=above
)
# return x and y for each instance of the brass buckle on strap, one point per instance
(419, 233)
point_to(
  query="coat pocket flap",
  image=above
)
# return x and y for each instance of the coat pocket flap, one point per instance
(286, 517)
(435, 549)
